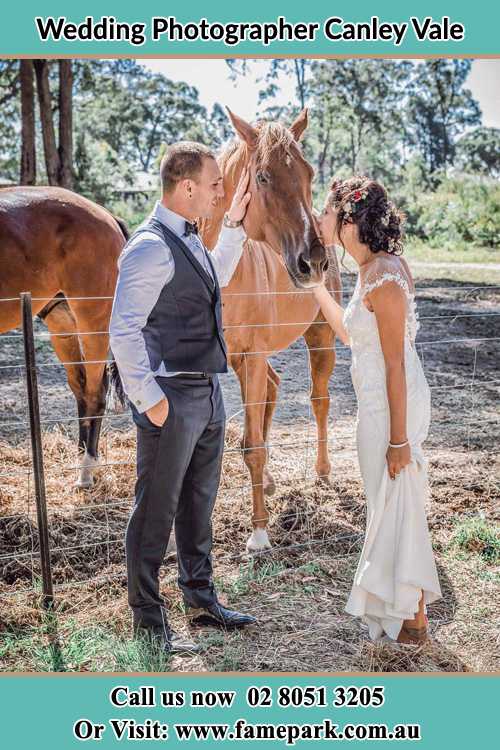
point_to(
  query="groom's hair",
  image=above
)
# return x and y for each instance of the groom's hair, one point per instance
(182, 161)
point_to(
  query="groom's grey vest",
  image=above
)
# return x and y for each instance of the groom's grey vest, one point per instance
(184, 328)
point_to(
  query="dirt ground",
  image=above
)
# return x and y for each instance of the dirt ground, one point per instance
(298, 589)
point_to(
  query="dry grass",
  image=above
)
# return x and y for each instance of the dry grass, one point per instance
(298, 590)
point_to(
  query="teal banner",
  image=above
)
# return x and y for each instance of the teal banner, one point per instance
(260, 28)
(231, 710)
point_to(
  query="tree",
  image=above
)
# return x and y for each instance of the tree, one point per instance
(219, 130)
(440, 109)
(479, 152)
(134, 110)
(356, 108)
(47, 121)
(28, 142)
(9, 120)
(65, 124)
(298, 68)
(58, 158)
(99, 170)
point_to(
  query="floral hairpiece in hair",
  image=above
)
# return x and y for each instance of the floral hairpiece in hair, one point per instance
(357, 196)
(386, 217)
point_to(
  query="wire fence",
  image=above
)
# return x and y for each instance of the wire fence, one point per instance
(458, 346)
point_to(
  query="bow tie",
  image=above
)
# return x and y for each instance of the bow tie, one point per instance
(190, 228)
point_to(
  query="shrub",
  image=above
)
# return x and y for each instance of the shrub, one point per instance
(462, 209)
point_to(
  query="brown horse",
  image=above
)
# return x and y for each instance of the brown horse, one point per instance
(63, 249)
(266, 306)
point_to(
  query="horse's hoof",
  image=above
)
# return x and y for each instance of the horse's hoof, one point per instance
(87, 467)
(324, 480)
(84, 484)
(258, 541)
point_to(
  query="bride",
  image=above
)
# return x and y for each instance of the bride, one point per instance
(396, 575)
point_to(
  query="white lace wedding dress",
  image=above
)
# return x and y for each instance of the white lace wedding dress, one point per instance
(397, 560)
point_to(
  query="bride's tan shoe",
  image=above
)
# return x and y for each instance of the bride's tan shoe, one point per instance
(417, 636)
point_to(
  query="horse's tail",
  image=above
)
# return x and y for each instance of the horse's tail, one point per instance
(113, 373)
(123, 227)
(116, 383)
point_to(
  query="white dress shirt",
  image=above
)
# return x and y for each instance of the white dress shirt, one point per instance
(145, 266)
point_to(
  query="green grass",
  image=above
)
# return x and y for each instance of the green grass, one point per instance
(230, 659)
(77, 648)
(423, 252)
(422, 258)
(254, 571)
(477, 536)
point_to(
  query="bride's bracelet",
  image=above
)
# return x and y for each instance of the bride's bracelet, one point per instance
(398, 445)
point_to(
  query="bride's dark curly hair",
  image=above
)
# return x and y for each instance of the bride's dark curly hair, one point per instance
(364, 202)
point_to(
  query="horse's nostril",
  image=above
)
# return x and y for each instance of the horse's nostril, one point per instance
(325, 265)
(303, 264)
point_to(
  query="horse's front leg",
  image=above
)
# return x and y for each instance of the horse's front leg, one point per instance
(252, 374)
(320, 341)
(273, 382)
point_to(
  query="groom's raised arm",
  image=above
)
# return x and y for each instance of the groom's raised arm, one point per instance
(227, 253)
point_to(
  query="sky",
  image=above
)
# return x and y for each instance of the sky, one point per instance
(211, 78)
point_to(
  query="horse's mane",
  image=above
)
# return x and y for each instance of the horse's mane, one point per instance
(274, 138)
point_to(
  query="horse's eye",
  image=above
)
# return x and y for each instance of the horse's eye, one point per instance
(262, 178)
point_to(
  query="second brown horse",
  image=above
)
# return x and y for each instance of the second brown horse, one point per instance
(63, 249)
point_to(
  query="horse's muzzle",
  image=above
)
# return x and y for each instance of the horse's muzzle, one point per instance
(307, 268)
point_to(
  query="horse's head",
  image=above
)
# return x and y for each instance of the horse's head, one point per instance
(280, 209)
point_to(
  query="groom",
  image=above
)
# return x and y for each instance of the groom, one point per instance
(167, 339)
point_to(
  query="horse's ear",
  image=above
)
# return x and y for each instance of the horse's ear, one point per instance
(246, 132)
(299, 125)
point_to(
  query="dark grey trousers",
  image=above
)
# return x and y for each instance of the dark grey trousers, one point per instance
(178, 474)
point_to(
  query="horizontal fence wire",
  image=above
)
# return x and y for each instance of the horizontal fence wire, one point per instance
(126, 503)
(228, 558)
(269, 352)
(346, 453)
(300, 324)
(117, 504)
(349, 397)
(292, 292)
(105, 540)
(63, 420)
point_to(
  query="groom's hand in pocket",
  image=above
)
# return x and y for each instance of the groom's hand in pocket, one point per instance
(158, 413)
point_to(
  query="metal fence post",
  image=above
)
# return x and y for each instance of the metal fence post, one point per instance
(36, 447)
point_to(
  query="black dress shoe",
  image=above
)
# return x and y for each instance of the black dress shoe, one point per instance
(166, 639)
(218, 616)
